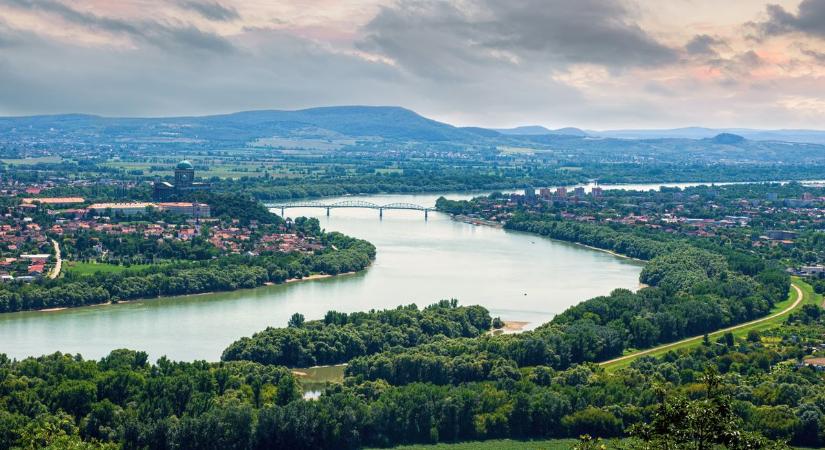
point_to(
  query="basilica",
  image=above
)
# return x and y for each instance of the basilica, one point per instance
(184, 184)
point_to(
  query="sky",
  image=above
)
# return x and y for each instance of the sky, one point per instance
(595, 64)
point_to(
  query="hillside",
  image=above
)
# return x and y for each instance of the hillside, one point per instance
(387, 129)
(328, 122)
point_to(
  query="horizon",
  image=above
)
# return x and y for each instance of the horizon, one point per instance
(601, 65)
(494, 127)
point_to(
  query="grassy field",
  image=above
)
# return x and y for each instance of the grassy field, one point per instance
(83, 268)
(809, 297)
(31, 161)
(500, 444)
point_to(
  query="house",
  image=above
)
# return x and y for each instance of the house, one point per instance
(817, 364)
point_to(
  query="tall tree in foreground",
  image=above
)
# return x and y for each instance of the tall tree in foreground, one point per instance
(704, 424)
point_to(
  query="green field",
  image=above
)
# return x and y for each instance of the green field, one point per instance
(809, 298)
(502, 444)
(82, 268)
(31, 161)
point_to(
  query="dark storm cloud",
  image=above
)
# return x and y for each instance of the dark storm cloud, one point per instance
(442, 38)
(211, 10)
(163, 35)
(809, 19)
(703, 44)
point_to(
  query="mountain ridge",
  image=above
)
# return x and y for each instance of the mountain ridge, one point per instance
(389, 122)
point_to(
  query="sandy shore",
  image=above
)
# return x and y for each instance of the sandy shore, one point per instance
(605, 251)
(317, 276)
(510, 327)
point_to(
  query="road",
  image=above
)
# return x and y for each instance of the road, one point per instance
(55, 272)
(799, 297)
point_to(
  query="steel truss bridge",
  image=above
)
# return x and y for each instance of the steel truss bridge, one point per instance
(351, 204)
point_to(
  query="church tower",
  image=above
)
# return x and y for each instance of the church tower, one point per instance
(184, 175)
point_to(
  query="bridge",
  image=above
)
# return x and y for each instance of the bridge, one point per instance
(351, 204)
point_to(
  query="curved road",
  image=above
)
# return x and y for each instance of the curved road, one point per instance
(799, 297)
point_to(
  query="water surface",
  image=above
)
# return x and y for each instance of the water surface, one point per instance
(517, 276)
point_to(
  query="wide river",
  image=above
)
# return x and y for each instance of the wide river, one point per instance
(517, 276)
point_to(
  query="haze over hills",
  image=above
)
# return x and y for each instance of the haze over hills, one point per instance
(538, 130)
(810, 136)
(393, 129)
(801, 136)
(324, 122)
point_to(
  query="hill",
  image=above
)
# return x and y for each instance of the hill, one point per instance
(538, 130)
(354, 130)
(727, 139)
(799, 136)
(387, 122)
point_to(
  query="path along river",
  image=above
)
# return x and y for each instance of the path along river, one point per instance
(517, 276)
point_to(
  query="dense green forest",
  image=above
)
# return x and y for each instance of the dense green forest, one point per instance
(226, 273)
(339, 337)
(727, 392)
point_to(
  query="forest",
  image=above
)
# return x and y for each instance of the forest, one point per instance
(339, 337)
(740, 392)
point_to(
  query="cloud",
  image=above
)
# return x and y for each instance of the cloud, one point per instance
(157, 33)
(586, 63)
(441, 38)
(817, 56)
(211, 10)
(703, 44)
(809, 19)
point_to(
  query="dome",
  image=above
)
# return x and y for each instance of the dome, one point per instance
(185, 165)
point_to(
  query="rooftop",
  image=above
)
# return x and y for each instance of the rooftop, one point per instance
(54, 200)
(185, 165)
(121, 205)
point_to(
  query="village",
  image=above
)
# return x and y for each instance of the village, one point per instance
(30, 231)
(763, 221)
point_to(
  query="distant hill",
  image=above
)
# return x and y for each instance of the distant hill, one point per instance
(727, 139)
(386, 122)
(375, 127)
(537, 130)
(810, 136)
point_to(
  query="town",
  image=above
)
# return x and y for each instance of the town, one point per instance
(772, 219)
(38, 232)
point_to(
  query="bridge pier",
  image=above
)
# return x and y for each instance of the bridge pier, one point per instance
(328, 212)
(425, 214)
(282, 213)
(380, 213)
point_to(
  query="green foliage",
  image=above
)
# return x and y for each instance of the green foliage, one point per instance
(339, 337)
(702, 424)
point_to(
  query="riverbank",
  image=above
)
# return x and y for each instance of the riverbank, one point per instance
(319, 276)
(476, 221)
(313, 277)
(499, 225)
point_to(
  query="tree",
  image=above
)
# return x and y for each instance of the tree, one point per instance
(704, 424)
(296, 321)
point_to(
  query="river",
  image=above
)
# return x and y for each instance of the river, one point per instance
(517, 276)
